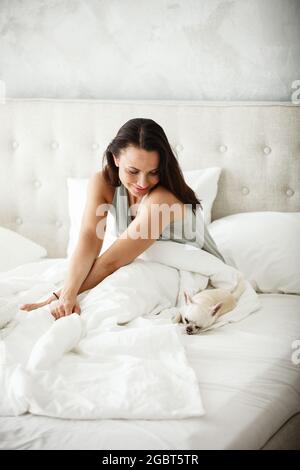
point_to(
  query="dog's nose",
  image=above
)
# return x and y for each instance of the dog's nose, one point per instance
(189, 330)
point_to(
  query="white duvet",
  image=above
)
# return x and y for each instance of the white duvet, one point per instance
(88, 366)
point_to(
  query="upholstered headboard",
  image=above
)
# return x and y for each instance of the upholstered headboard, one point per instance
(44, 141)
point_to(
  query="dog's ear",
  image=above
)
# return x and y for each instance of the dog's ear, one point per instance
(187, 298)
(214, 310)
(177, 318)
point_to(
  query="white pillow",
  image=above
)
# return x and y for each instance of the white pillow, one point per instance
(204, 183)
(264, 246)
(77, 193)
(17, 250)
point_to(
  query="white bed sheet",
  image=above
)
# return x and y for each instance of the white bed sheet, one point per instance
(249, 385)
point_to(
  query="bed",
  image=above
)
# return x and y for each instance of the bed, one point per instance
(252, 393)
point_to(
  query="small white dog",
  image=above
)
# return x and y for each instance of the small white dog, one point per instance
(205, 307)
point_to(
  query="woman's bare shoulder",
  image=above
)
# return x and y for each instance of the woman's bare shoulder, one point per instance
(160, 195)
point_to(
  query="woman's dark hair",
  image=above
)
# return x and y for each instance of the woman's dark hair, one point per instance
(146, 134)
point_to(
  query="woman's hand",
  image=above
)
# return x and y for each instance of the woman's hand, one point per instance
(65, 305)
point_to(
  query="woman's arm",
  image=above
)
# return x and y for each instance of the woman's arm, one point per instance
(87, 249)
(130, 244)
(88, 246)
(80, 264)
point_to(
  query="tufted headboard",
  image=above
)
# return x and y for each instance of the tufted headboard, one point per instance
(44, 141)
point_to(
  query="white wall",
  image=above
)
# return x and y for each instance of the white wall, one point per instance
(150, 49)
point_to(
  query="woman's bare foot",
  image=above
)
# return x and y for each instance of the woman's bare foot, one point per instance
(33, 306)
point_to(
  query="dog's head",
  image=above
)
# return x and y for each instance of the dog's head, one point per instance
(196, 316)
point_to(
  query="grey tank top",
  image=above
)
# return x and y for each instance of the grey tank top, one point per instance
(181, 231)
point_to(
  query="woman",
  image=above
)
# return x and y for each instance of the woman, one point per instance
(140, 173)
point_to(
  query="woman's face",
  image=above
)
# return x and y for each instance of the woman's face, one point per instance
(138, 169)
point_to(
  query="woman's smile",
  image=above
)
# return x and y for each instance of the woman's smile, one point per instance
(141, 190)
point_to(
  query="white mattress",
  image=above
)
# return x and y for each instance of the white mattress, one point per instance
(249, 384)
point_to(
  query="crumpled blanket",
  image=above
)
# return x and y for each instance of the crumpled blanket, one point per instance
(122, 357)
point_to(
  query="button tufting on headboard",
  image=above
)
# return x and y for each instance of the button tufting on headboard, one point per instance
(37, 184)
(245, 190)
(234, 136)
(54, 145)
(179, 147)
(267, 150)
(290, 192)
(223, 148)
(14, 145)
